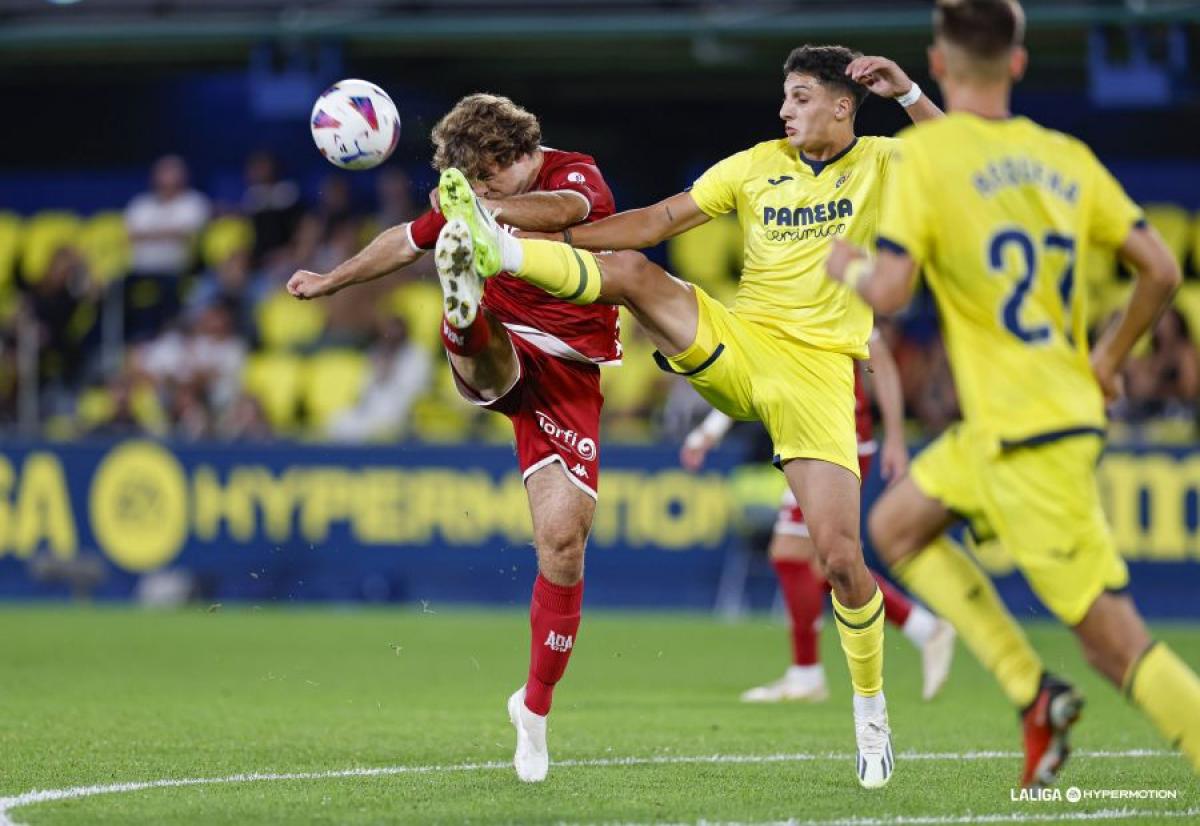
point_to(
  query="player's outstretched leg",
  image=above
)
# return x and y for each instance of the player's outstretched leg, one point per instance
(1118, 645)
(562, 518)
(907, 531)
(829, 496)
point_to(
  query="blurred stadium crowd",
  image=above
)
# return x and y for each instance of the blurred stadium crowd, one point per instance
(170, 318)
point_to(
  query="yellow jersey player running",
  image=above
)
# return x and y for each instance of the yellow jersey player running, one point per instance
(998, 211)
(785, 354)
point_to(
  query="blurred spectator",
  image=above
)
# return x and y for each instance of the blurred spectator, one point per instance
(400, 373)
(273, 207)
(198, 371)
(396, 202)
(63, 305)
(163, 225)
(245, 420)
(231, 284)
(129, 408)
(1166, 380)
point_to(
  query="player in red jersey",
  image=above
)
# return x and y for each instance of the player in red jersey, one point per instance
(519, 351)
(791, 551)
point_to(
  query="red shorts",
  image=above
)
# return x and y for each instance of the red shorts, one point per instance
(790, 520)
(554, 406)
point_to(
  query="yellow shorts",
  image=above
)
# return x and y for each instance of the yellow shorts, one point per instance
(1043, 504)
(804, 396)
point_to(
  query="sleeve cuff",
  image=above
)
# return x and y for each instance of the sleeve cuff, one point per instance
(888, 245)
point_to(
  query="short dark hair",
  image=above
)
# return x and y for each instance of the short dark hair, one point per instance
(482, 130)
(985, 29)
(828, 65)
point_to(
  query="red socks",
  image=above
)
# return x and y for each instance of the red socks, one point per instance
(554, 621)
(804, 593)
(896, 606)
(466, 341)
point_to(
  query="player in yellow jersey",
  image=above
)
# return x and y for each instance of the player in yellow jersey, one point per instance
(998, 211)
(785, 353)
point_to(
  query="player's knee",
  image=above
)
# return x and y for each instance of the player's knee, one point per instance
(623, 275)
(840, 555)
(560, 553)
(890, 537)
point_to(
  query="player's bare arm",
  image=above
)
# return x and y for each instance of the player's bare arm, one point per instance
(886, 79)
(539, 211)
(1157, 279)
(885, 383)
(885, 283)
(640, 228)
(391, 250)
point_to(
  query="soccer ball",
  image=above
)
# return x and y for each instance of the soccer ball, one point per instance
(355, 124)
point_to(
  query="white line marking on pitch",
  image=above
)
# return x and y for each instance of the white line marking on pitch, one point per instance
(7, 804)
(949, 820)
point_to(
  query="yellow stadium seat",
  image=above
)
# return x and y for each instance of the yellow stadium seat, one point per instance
(441, 421)
(94, 407)
(333, 382)
(709, 255)
(1173, 224)
(225, 236)
(45, 233)
(285, 322)
(274, 379)
(631, 388)
(419, 303)
(11, 229)
(104, 242)
(1187, 301)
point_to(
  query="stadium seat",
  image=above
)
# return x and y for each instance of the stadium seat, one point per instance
(441, 416)
(223, 237)
(45, 232)
(419, 303)
(1173, 224)
(274, 378)
(333, 382)
(709, 255)
(631, 388)
(104, 242)
(285, 323)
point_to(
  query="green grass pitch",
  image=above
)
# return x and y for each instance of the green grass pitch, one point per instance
(97, 696)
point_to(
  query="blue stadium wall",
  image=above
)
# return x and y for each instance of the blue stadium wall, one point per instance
(291, 523)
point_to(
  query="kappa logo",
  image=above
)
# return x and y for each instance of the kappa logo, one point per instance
(580, 471)
(585, 447)
(562, 643)
(779, 180)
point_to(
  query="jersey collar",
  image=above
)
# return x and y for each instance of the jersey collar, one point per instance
(818, 166)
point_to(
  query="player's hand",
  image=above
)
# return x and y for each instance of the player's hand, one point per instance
(841, 253)
(304, 284)
(694, 451)
(882, 76)
(1108, 376)
(893, 459)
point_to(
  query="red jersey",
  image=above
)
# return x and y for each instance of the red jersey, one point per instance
(576, 332)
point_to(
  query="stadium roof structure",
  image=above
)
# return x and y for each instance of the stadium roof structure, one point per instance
(152, 25)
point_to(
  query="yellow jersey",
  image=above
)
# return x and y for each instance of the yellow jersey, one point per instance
(790, 210)
(998, 213)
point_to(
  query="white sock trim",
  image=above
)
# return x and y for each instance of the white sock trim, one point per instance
(512, 256)
(920, 625)
(869, 706)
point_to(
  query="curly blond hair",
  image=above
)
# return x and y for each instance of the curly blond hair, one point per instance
(483, 130)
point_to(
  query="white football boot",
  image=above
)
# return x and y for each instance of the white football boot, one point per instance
(875, 759)
(531, 759)
(461, 285)
(800, 683)
(936, 655)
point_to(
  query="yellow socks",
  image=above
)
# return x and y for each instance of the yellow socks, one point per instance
(861, 632)
(1169, 693)
(561, 270)
(953, 586)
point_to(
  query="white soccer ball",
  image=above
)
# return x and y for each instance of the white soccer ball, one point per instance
(355, 124)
